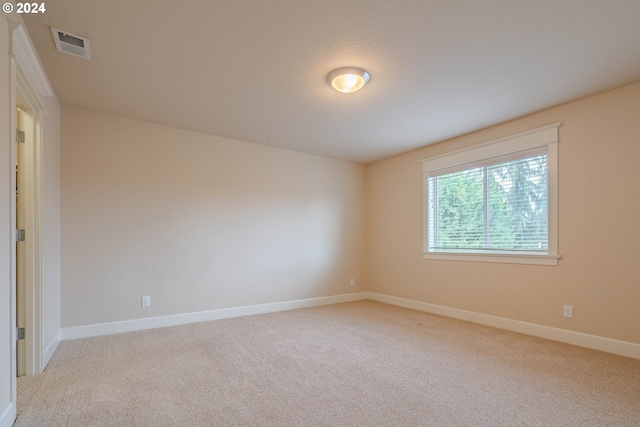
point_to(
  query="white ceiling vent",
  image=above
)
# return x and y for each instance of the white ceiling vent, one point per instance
(71, 43)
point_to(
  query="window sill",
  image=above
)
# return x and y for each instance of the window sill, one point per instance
(500, 258)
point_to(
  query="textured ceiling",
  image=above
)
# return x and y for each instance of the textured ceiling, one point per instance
(256, 70)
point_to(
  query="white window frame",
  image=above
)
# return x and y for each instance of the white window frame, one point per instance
(546, 136)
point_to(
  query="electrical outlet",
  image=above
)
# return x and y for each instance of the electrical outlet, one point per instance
(352, 282)
(568, 311)
(146, 301)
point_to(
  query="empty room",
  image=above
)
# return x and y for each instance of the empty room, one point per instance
(336, 213)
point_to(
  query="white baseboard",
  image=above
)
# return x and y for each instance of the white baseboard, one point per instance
(51, 348)
(201, 316)
(623, 348)
(609, 345)
(8, 416)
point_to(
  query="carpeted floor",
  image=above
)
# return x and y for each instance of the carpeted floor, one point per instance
(354, 364)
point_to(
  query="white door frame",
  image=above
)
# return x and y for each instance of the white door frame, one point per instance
(30, 187)
(27, 76)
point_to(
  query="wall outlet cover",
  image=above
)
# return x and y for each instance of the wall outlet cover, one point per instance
(568, 311)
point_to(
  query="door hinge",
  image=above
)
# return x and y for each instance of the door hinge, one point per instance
(20, 236)
(19, 334)
(20, 135)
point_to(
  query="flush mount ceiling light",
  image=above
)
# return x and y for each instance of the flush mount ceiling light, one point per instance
(348, 79)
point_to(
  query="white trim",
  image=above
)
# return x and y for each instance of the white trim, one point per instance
(552, 197)
(488, 257)
(547, 137)
(28, 60)
(509, 144)
(50, 349)
(8, 416)
(9, 413)
(201, 316)
(623, 348)
(30, 79)
(28, 92)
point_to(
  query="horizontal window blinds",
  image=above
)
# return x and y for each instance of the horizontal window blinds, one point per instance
(493, 205)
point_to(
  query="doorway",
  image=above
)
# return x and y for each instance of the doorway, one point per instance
(28, 86)
(28, 112)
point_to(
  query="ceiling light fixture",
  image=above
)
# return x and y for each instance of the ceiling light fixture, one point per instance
(348, 79)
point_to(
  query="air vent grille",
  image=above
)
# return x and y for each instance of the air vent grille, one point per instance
(71, 43)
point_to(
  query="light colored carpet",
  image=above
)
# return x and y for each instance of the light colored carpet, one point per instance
(354, 364)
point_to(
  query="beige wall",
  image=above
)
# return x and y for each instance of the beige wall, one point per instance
(198, 222)
(599, 230)
(50, 224)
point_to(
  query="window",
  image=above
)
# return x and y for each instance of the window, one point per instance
(496, 202)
